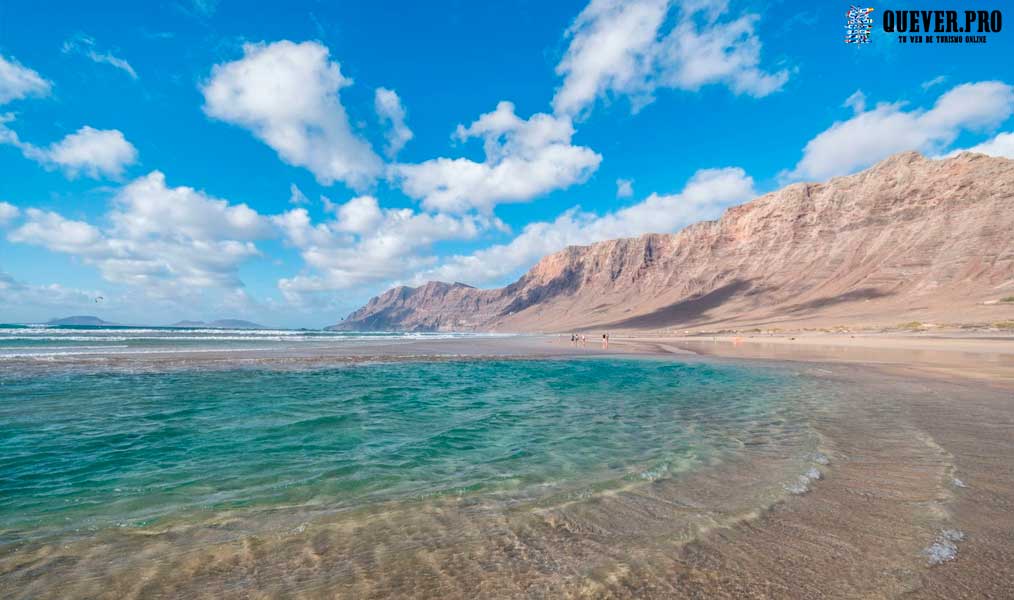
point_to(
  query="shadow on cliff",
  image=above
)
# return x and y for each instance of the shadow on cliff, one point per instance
(693, 310)
(683, 311)
(566, 283)
(866, 293)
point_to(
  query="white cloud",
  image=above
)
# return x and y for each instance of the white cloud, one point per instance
(17, 81)
(89, 151)
(524, 159)
(8, 212)
(167, 241)
(624, 188)
(707, 193)
(84, 45)
(392, 115)
(872, 135)
(932, 82)
(52, 231)
(612, 49)
(360, 215)
(634, 47)
(365, 244)
(147, 207)
(1000, 145)
(296, 195)
(94, 152)
(857, 102)
(286, 94)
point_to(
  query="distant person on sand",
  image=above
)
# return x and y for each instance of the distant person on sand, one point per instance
(605, 341)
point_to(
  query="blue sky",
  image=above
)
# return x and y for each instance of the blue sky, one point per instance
(202, 159)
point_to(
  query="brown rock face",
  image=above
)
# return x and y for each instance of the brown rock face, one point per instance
(908, 239)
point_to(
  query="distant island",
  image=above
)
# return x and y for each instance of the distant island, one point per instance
(80, 320)
(92, 321)
(220, 324)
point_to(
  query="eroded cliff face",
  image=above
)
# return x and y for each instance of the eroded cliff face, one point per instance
(910, 238)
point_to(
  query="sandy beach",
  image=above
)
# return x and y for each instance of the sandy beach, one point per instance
(965, 409)
(984, 356)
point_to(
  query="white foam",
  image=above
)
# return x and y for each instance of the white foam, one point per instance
(958, 483)
(654, 474)
(953, 535)
(802, 484)
(945, 547)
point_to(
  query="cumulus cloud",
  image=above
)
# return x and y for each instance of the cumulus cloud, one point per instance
(707, 193)
(52, 231)
(85, 46)
(8, 212)
(287, 95)
(523, 159)
(18, 81)
(874, 134)
(365, 244)
(392, 115)
(624, 188)
(161, 239)
(148, 207)
(93, 152)
(633, 47)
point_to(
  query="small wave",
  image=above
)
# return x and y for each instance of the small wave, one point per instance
(802, 484)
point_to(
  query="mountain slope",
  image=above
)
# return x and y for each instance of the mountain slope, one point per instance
(910, 238)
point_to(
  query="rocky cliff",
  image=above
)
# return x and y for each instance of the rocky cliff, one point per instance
(908, 239)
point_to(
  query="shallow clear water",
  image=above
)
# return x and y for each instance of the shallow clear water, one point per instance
(80, 453)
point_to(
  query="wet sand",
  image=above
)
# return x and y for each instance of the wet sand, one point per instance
(919, 463)
(985, 357)
(960, 400)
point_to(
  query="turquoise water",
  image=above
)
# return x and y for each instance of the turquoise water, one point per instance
(86, 452)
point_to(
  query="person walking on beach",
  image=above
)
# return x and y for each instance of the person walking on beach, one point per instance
(605, 341)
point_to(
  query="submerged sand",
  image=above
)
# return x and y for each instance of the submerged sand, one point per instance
(915, 498)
